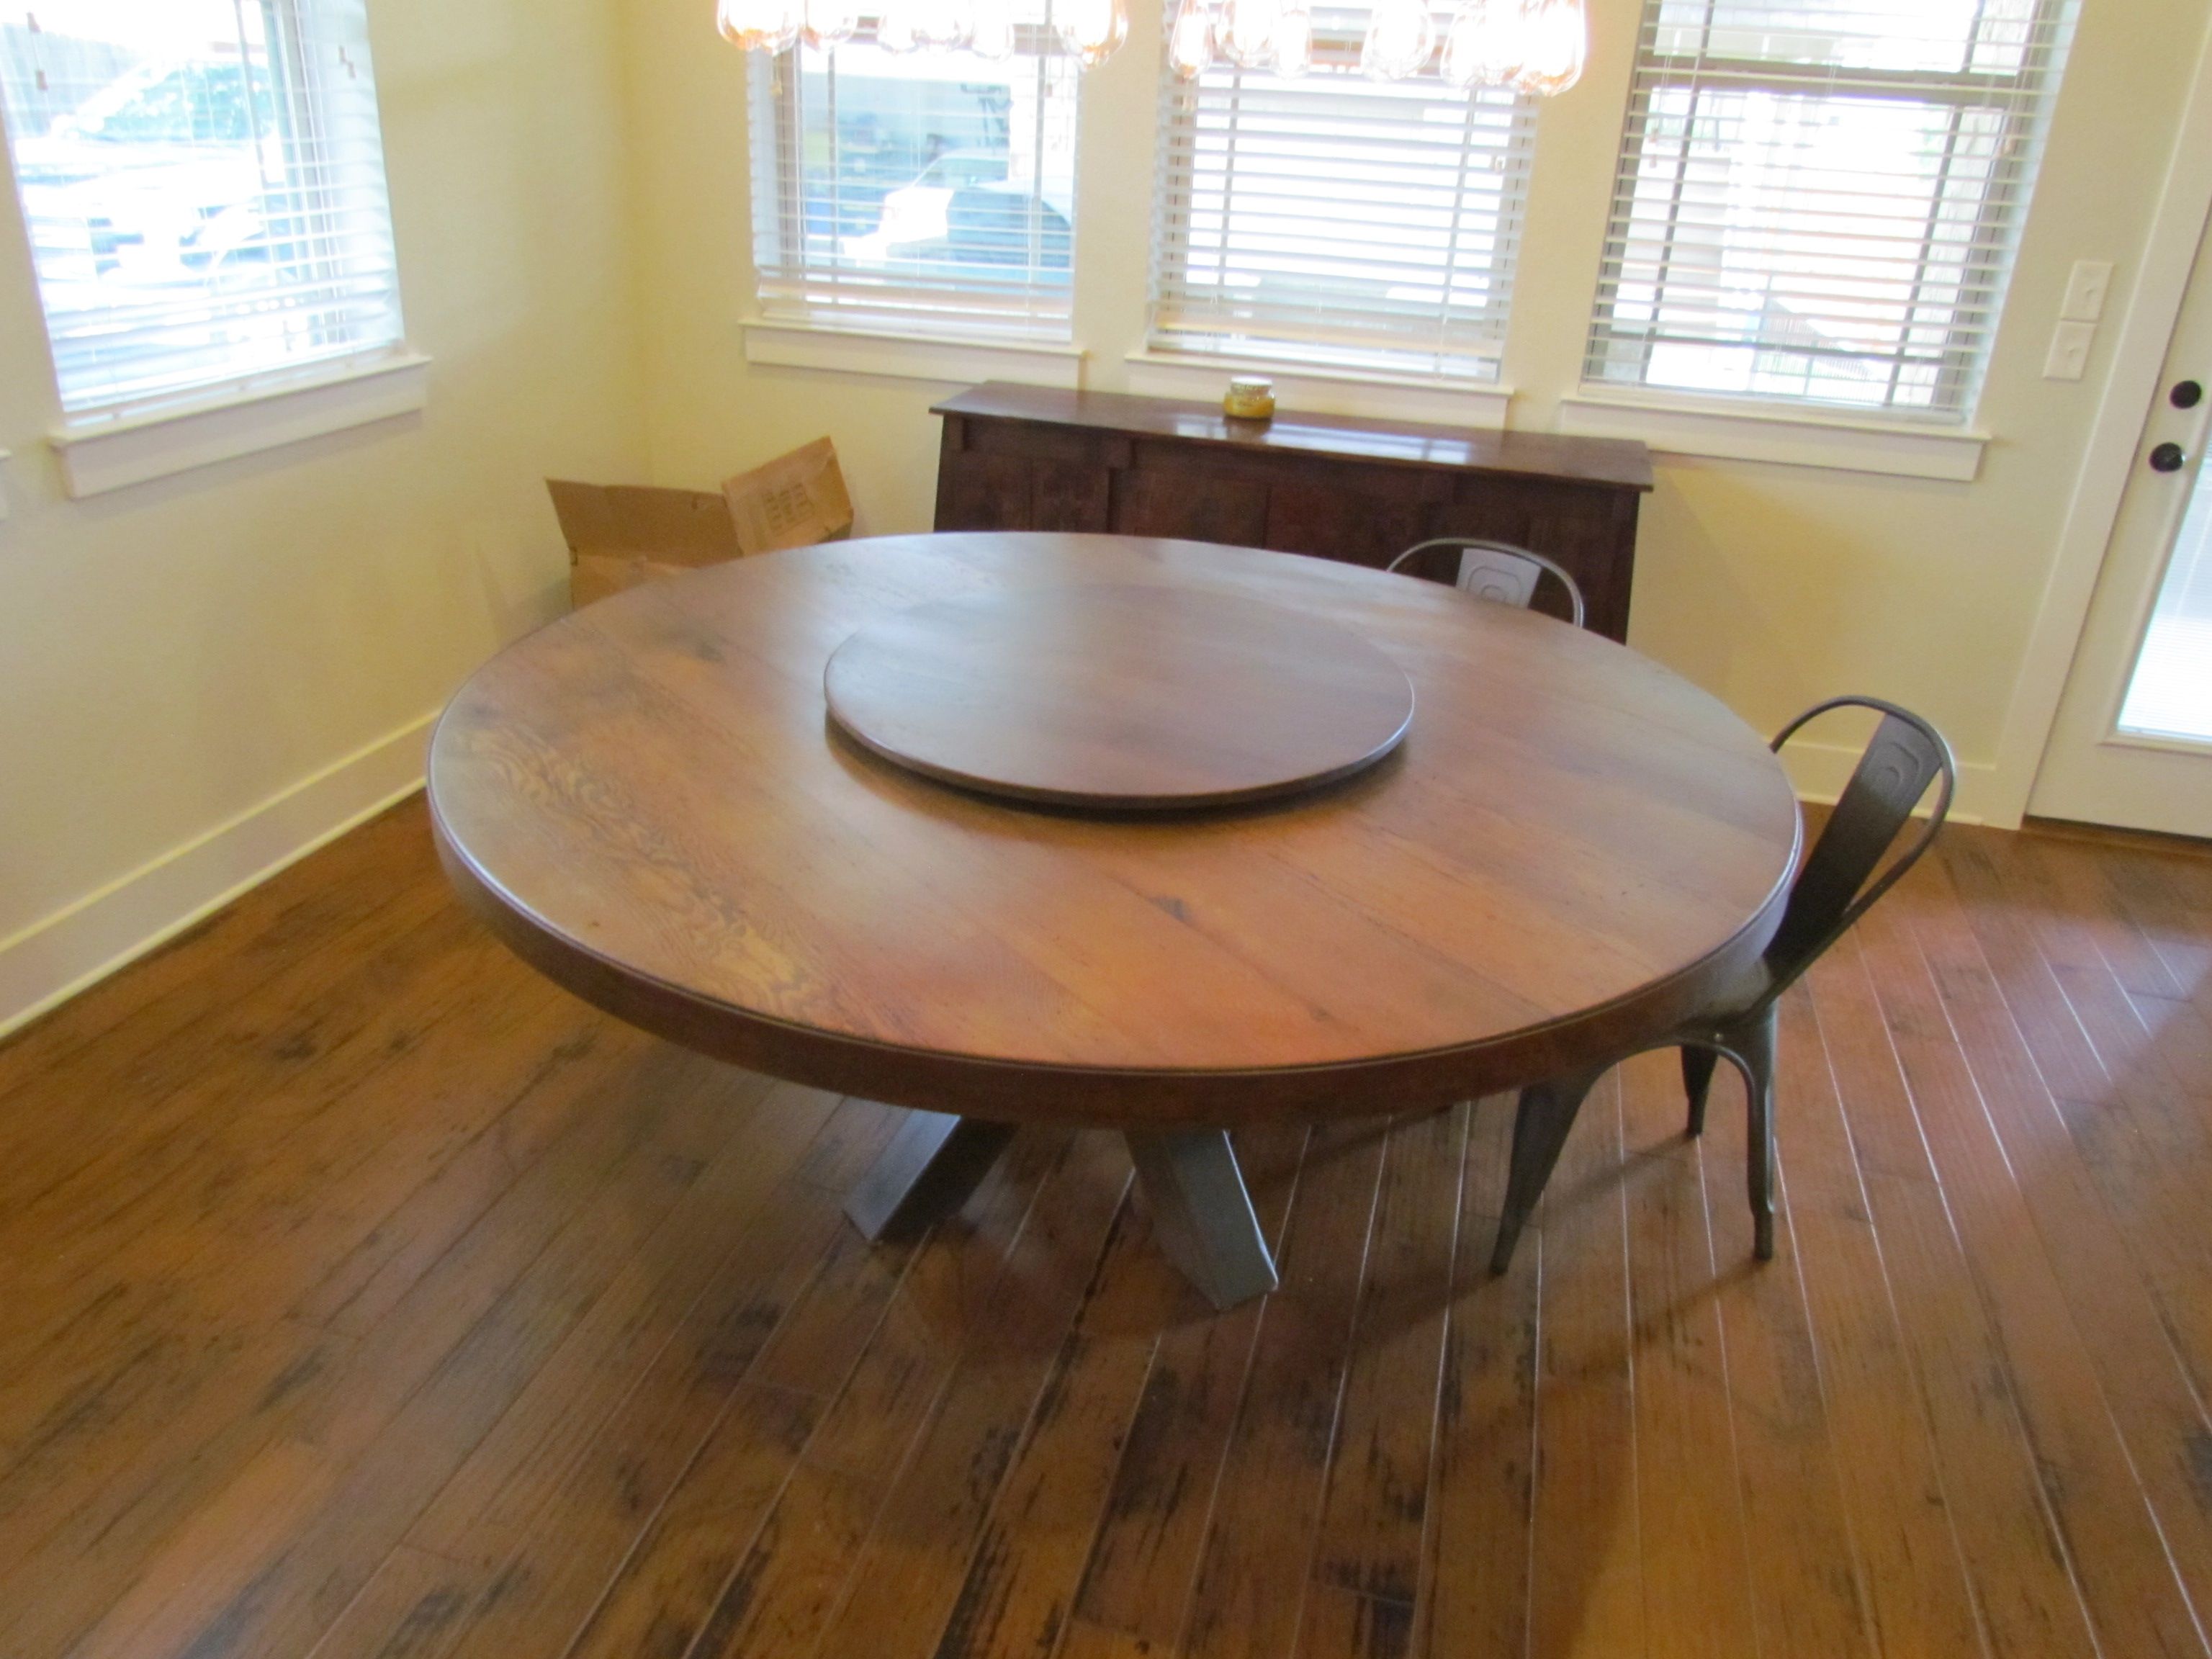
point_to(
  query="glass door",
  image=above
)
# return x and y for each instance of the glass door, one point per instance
(2132, 746)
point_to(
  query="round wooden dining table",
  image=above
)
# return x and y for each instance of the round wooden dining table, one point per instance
(1558, 854)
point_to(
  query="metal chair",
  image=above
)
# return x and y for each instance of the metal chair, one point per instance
(1835, 887)
(1499, 571)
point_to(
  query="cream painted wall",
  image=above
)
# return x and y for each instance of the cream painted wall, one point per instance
(1773, 585)
(174, 656)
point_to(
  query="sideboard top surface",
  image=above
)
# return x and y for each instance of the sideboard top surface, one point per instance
(1605, 461)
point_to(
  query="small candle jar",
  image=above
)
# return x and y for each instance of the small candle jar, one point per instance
(1250, 398)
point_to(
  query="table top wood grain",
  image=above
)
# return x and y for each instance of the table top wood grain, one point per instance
(1571, 850)
(1136, 696)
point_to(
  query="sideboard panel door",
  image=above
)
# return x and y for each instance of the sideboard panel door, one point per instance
(1192, 505)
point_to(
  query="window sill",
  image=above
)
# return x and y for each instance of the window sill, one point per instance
(954, 359)
(1481, 404)
(100, 456)
(1781, 436)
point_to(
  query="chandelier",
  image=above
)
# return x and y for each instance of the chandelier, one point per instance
(1533, 46)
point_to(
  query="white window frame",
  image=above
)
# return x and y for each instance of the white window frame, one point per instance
(1937, 441)
(107, 444)
(1176, 332)
(801, 309)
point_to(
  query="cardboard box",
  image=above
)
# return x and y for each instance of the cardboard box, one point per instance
(620, 535)
(796, 500)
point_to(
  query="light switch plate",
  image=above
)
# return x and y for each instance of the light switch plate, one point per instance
(2086, 293)
(2070, 351)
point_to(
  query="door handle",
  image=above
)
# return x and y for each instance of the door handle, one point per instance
(2168, 458)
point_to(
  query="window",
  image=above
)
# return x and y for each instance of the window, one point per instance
(1818, 199)
(203, 185)
(918, 193)
(1333, 220)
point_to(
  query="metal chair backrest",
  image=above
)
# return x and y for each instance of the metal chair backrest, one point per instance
(1499, 571)
(1833, 892)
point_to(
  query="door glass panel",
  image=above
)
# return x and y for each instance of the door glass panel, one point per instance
(2170, 696)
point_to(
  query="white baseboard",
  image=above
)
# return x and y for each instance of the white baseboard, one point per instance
(1820, 771)
(52, 960)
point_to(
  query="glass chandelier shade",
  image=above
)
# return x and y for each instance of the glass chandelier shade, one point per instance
(826, 23)
(1538, 47)
(1534, 46)
(759, 25)
(1092, 29)
(1401, 37)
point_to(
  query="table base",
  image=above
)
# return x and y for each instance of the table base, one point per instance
(1202, 1215)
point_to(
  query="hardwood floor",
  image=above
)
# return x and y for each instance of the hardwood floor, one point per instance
(362, 1295)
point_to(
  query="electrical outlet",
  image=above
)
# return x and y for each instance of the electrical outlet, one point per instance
(2070, 351)
(2092, 285)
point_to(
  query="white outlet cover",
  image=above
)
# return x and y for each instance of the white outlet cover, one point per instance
(2087, 291)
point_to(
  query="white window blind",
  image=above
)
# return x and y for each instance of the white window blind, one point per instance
(1819, 200)
(1331, 220)
(203, 185)
(917, 191)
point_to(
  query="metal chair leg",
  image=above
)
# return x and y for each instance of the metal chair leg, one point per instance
(1699, 1066)
(1752, 1048)
(1548, 1112)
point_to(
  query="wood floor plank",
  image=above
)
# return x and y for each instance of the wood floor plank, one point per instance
(1246, 1599)
(906, 1583)
(1689, 1488)
(409, 1609)
(552, 1538)
(2016, 1553)
(1016, 1598)
(1480, 1517)
(1806, 1576)
(211, 968)
(781, 1593)
(2135, 1603)
(1135, 1597)
(2158, 1415)
(1910, 1572)
(363, 1467)
(501, 1486)
(1588, 1597)
(663, 1594)
(1374, 1520)
(373, 1298)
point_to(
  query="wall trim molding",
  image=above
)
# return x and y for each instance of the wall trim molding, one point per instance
(52, 960)
(1780, 435)
(2153, 311)
(951, 360)
(100, 456)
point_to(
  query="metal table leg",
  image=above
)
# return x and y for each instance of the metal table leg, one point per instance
(1202, 1216)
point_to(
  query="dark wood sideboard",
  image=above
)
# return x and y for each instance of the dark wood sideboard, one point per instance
(1029, 458)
